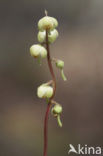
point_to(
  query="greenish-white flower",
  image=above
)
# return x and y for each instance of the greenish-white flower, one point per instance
(37, 50)
(60, 64)
(57, 109)
(44, 91)
(52, 36)
(47, 22)
(41, 36)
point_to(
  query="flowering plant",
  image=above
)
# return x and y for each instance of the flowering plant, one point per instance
(47, 35)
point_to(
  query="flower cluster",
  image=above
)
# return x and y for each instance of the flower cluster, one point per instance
(48, 33)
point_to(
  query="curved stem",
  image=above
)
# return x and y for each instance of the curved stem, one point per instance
(49, 103)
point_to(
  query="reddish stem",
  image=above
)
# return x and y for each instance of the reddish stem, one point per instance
(49, 103)
(46, 130)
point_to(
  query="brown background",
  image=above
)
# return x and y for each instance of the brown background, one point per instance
(80, 45)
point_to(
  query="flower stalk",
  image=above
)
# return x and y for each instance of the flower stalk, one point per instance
(50, 100)
(48, 34)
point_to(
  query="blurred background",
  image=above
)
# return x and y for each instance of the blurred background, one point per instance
(80, 45)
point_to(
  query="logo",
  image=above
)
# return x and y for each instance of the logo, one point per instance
(84, 149)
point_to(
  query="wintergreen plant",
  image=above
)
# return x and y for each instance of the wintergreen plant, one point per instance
(47, 35)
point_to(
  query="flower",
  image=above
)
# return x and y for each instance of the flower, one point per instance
(41, 36)
(57, 109)
(37, 50)
(44, 91)
(52, 36)
(47, 22)
(60, 64)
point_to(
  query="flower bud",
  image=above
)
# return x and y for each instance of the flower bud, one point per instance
(57, 109)
(47, 23)
(41, 36)
(60, 64)
(52, 36)
(37, 50)
(44, 91)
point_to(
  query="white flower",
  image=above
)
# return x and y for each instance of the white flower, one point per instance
(37, 50)
(44, 91)
(47, 22)
(52, 36)
(41, 36)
